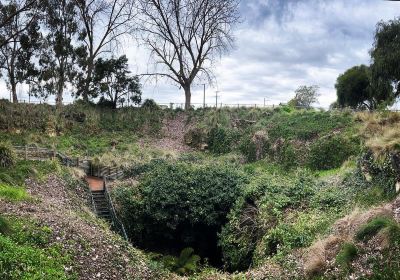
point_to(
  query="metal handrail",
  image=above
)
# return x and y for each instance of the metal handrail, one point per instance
(93, 204)
(112, 210)
(70, 162)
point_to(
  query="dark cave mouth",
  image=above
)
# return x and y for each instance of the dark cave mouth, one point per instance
(202, 239)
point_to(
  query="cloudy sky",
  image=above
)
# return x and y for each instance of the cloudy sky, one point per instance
(280, 45)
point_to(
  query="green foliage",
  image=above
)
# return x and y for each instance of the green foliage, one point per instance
(150, 104)
(113, 82)
(305, 97)
(186, 264)
(385, 55)
(17, 175)
(25, 254)
(78, 119)
(221, 140)
(353, 88)
(331, 152)
(382, 173)
(370, 229)
(7, 156)
(12, 193)
(299, 230)
(5, 228)
(347, 254)
(180, 204)
(259, 210)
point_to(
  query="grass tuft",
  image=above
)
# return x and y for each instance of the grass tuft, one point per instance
(347, 254)
(370, 229)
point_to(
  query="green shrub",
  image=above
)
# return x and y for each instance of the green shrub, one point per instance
(259, 209)
(347, 254)
(330, 152)
(221, 140)
(370, 229)
(186, 264)
(330, 197)
(7, 156)
(4, 226)
(179, 205)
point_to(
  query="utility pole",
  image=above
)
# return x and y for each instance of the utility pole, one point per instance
(204, 95)
(216, 99)
(265, 101)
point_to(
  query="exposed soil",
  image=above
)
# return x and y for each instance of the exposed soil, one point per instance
(172, 135)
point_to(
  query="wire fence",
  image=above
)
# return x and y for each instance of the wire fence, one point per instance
(181, 105)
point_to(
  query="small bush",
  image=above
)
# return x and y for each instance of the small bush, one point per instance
(195, 137)
(370, 229)
(347, 254)
(4, 226)
(186, 264)
(221, 140)
(7, 156)
(330, 152)
(150, 104)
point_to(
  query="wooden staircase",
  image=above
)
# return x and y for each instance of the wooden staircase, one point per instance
(101, 205)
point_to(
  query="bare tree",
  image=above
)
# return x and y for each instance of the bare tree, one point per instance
(104, 21)
(185, 36)
(10, 12)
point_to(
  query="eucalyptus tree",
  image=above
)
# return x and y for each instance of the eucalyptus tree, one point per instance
(103, 22)
(114, 83)
(24, 10)
(57, 56)
(386, 56)
(20, 39)
(186, 36)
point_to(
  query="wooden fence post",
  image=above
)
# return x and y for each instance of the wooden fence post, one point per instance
(26, 152)
(77, 162)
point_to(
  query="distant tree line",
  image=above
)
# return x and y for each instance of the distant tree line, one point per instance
(377, 85)
(60, 45)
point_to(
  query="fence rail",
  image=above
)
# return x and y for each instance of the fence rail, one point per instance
(33, 152)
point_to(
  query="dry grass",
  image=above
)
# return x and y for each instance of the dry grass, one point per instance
(387, 141)
(316, 258)
(381, 131)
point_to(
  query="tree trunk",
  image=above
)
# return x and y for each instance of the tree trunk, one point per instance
(188, 96)
(60, 91)
(14, 90)
(85, 93)
(59, 97)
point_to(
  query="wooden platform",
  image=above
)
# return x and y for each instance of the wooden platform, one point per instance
(95, 183)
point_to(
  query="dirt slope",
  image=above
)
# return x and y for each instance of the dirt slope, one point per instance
(97, 252)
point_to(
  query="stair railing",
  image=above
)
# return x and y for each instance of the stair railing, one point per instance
(93, 203)
(116, 222)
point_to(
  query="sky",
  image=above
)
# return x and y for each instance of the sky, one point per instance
(281, 45)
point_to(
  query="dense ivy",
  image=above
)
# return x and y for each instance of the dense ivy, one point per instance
(177, 205)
